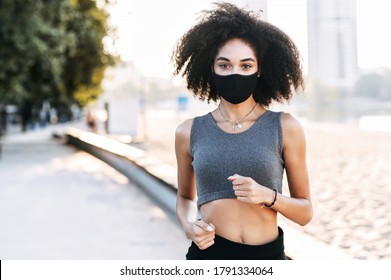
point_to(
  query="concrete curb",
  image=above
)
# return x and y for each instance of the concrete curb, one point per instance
(159, 181)
(130, 161)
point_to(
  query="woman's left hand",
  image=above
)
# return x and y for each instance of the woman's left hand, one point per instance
(249, 191)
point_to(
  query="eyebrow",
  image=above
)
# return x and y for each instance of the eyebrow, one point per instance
(242, 60)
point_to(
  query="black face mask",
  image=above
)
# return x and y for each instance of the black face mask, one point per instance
(235, 88)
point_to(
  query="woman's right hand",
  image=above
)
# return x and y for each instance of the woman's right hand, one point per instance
(202, 234)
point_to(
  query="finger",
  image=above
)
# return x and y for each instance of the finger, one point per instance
(202, 237)
(206, 240)
(242, 187)
(237, 179)
(241, 193)
(243, 199)
(205, 226)
(206, 245)
(233, 177)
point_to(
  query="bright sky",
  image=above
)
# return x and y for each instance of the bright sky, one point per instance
(148, 29)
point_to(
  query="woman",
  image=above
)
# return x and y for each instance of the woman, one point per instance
(231, 161)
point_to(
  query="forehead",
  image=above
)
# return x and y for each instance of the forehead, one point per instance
(236, 48)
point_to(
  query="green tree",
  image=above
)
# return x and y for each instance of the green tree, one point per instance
(369, 85)
(52, 50)
(86, 59)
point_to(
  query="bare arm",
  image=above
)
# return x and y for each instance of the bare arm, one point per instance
(298, 206)
(186, 209)
(186, 205)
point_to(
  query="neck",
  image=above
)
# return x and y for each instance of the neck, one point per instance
(236, 112)
(236, 123)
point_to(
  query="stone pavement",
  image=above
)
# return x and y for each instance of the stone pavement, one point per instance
(60, 203)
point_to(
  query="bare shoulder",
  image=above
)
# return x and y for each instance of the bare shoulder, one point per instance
(182, 137)
(292, 128)
(183, 130)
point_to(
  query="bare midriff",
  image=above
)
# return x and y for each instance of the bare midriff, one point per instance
(241, 222)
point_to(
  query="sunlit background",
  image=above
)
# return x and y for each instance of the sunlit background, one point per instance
(148, 30)
(345, 107)
(343, 44)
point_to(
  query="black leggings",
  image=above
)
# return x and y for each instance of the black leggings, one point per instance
(224, 249)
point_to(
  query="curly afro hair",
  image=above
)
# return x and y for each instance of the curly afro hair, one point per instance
(278, 57)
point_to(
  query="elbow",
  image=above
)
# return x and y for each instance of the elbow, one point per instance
(307, 217)
(305, 220)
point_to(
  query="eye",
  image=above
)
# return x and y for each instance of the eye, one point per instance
(224, 66)
(246, 66)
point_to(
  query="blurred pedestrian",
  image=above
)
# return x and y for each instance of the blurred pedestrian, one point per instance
(3, 124)
(91, 120)
(1, 145)
(231, 161)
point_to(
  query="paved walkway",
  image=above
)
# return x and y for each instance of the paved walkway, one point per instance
(60, 203)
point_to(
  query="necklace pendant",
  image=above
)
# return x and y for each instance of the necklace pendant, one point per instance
(236, 124)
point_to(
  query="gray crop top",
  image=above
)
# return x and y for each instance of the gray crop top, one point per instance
(255, 152)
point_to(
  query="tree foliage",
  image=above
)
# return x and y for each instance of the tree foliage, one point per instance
(52, 50)
(375, 85)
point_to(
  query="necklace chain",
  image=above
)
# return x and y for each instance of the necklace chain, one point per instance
(237, 122)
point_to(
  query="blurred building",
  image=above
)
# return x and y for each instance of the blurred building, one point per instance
(332, 41)
(120, 106)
